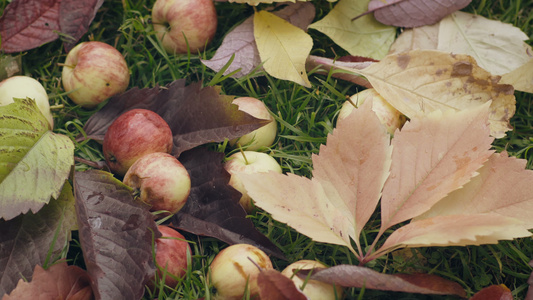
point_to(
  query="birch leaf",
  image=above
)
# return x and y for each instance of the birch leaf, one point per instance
(499, 52)
(421, 81)
(364, 36)
(349, 173)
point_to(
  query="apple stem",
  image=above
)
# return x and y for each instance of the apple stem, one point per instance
(242, 152)
(58, 106)
(65, 65)
(255, 264)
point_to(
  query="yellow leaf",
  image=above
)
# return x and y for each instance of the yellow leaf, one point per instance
(283, 47)
(422, 81)
(522, 78)
(364, 36)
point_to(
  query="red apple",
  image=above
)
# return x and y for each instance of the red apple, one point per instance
(93, 72)
(184, 24)
(261, 137)
(313, 289)
(160, 180)
(232, 272)
(249, 162)
(171, 255)
(132, 135)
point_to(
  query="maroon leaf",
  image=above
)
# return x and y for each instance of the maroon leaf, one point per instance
(196, 115)
(413, 13)
(275, 286)
(213, 208)
(357, 276)
(26, 240)
(326, 65)
(27, 24)
(75, 17)
(494, 292)
(116, 234)
(60, 281)
(240, 42)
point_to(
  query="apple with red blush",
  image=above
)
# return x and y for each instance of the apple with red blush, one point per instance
(170, 256)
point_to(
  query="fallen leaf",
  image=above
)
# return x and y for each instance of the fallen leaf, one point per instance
(494, 292)
(275, 286)
(413, 13)
(10, 66)
(283, 47)
(522, 78)
(213, 208)
(28, 239)
(496, 46)
(75, 17)
(257, 2)
(362, 277)
(60, 281)
(322, 65)
(116, 234)
(424, 37)
(196, 115)
(363, 37)
(422, 81)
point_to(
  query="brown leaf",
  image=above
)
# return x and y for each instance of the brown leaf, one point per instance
(323, 65)
(60, 281)
(356, 276)
(494, 292)
(275, 286)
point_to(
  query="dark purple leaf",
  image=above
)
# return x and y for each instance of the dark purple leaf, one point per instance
(357, 276)
(213, 208)
(116, 234)
(26, 239)
(27, 24)
(197, 115)
(413, 13)
(75, 17)
(275, 286)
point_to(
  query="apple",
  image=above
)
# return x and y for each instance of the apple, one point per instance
(132, 135)
(232, 271)
(26, 87)
(160, 180)
(261, 137)
(313, 289)
(184, 24)
(170, 256)
(248, 162)
(93, 72)
(389, 116)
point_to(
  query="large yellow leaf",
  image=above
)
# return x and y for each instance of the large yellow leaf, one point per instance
(421, 81)
(348, 177)
(364, 36)
(522, 78)
(283, 47)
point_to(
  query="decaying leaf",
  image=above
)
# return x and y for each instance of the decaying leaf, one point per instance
(494, 292)
(116, 233)
(522, 78)
(363, 37)
(413, 13)
(422, 81)
(60, 281)
(283, 47)
(275, 286)
(443, 156)
(323, 65)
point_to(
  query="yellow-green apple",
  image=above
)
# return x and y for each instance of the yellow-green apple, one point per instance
(132, 135)
(389, 116)
(26, 87)
(313, 289)
(171, 256)
(93, 72)
(261, 137)
(248, 162)
(160, 180)
(184, 24)
(234, 271)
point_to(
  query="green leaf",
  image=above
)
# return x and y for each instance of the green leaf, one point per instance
(39, 175)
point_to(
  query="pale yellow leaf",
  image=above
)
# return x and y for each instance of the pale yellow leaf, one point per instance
(348, 177)
(522, 78)
(283, 47)
(503, 186)
(456, 230)
(364, 36)
(433, 156)
(497, 47)
(421, 81)
(424, 37)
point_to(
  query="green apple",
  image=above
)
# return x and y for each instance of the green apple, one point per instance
(26, 87)
(313, 289)
(249, 162)
(93, 72)
(261, 137)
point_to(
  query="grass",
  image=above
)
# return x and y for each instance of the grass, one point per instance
(305, 116)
